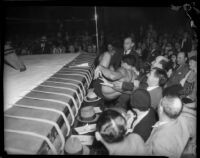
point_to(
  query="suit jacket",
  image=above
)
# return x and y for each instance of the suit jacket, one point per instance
(178, 75)
(168, 140)
(187, 46)
(144, 127)
(153, 55)
(156, 95)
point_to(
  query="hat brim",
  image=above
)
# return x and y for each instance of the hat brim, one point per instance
(88, 100)
(88, 121)
(86, 150)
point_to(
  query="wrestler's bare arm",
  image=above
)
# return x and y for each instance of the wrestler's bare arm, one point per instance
(113, 75)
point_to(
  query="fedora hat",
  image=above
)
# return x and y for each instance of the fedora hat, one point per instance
(87, 115)
(141, 99)
(73, 146)
(91, 97)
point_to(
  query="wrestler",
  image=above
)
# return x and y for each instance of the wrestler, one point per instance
(127, 72)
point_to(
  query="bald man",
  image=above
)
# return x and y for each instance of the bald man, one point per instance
(169, 135)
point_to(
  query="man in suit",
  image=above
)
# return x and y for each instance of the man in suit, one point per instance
(42, 47)
(128, 49)
(186, 44)
(181, 70)
(154, 52)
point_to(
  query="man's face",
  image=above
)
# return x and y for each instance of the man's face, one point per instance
(156, 62)
(192, 64)
(89, 49)
(181, 58)
(110, 48)
(151, 77)
(128, 44)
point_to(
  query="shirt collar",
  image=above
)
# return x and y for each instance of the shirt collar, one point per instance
(151, 88)
(127, 52)
(159, 123)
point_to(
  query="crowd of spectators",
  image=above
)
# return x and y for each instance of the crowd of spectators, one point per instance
(152, 82)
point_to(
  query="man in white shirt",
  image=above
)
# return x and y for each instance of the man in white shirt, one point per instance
(155, 80)
(169, 135)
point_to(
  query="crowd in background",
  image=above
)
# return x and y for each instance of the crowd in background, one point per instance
(152, 82)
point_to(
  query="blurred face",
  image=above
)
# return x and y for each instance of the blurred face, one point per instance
(177, 46)
(128, 44)
(173, 58)
(154, 45)
(192, 64)
(156, 62)
(89, 49)
(181, 58)
(110, 48)
(151, 77)
(71, 49)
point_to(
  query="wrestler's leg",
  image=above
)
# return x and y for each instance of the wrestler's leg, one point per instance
(104, 91)
(110, 93)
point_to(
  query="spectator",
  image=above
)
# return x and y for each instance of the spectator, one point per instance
(71, 48)
(169, 135)
(154, 52)
(180, 71)
(193, 52)
(145, 114)
(111, 130)
(156, 80)
(128, 49)
(186, 45)
(189, 82)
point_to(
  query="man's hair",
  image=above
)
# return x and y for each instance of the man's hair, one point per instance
(165, 64)
(115, 130)
(172, 106)
(130, 59)
(185, 54)
(129, 37)
(162, 75)
(175, 90)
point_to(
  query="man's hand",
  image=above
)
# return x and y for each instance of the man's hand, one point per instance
(105, 82)
(118, 85)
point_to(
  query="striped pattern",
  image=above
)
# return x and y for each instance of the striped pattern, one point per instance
(41, 120)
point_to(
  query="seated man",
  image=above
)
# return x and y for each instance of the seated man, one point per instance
(111, 131)
(145, 114)
(127, 72)
(180, 72)
(169, 135)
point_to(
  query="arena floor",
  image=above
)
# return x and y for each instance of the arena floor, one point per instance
(39, 68)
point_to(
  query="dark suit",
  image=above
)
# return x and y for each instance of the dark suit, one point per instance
(153, 55)
(178, 75)
(39, 50)
(187, 46)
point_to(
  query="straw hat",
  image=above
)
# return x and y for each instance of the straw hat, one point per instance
(88, 115)
(73, 146)
(91, 97)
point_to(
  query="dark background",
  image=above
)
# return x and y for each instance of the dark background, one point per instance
(44, 19)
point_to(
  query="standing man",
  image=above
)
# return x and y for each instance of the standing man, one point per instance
(128, 49)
